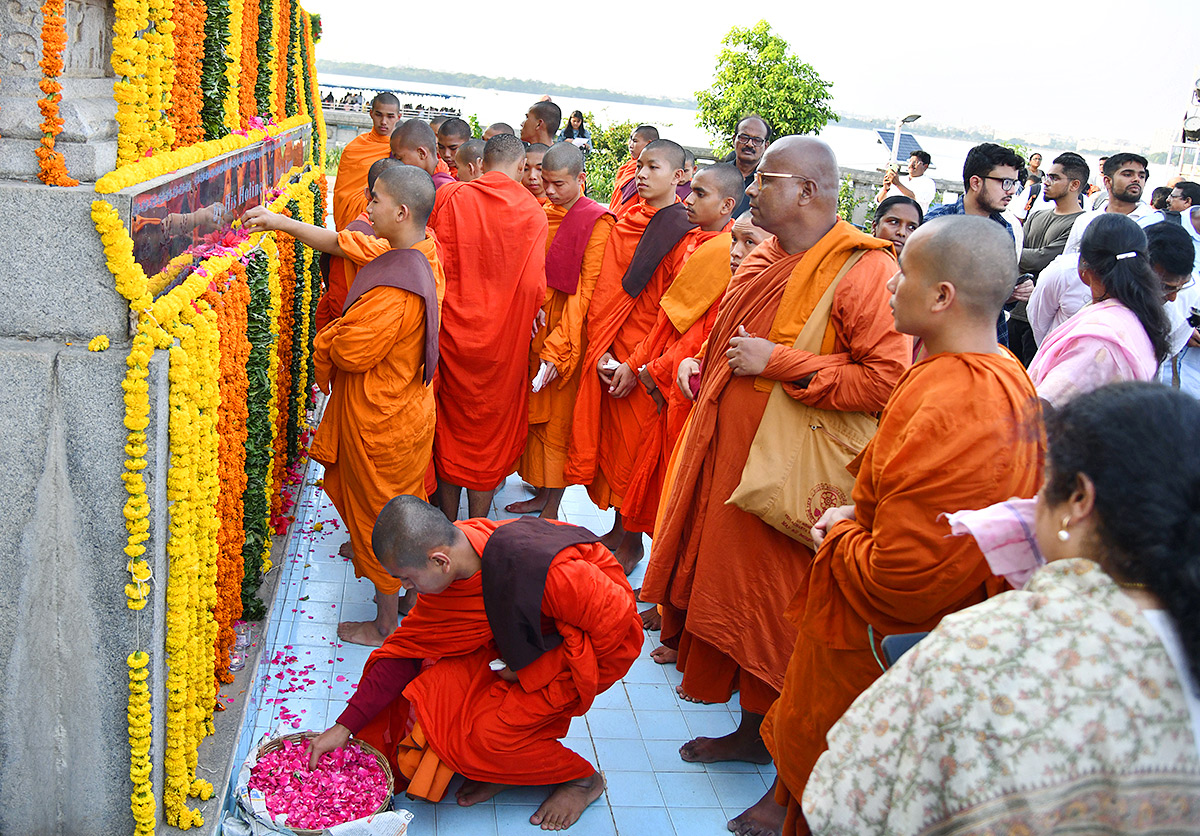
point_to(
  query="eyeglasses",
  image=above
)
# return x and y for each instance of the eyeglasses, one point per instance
(759, 175)
(1006, 183)
(746, 139)
(1175, 288)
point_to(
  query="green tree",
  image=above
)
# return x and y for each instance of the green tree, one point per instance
(757, 73)
(610, 148)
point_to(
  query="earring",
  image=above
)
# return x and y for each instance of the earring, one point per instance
(1063, 534)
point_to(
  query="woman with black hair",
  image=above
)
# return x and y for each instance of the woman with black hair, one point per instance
(1123, 334)
(577, 132)
(896, 218)
(1068, 705)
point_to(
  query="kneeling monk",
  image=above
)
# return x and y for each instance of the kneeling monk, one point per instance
(517, 628)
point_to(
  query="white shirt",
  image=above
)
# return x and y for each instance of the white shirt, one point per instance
(1140, 211)
(1058, 296)
(923, 189)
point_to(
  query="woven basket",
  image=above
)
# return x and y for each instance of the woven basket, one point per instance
(304, 737)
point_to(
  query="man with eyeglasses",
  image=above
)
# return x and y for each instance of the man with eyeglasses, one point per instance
(1173, 257)
(750, 141)
(915, 184)
(989, 183)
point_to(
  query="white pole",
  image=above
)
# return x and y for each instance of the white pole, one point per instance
(896, 142)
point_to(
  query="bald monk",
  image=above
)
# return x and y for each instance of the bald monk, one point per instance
(436, 124)
(531, 178)
(625, 195)
(497, 128)
(541, 123)
(494, 237)
(414, 143)
(578, 233)
(722, 575)
(376, 362)
(469, 160)
(644, 254)
(685, 316)
(341, 270)
(888, 560)
(351, 182)
(545, 604)
(450, 137)
(689, 172)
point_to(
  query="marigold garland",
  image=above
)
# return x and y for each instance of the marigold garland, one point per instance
(233, 66)
(247, 105)
(186, 98)
(264, 77)
(140, 768)
(279, 66)
(160, 74)
(52, 170)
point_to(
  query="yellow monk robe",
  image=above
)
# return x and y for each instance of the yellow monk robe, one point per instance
(723, 576)
(688, 310)
(961, 431)
(376, 436)
(350, 185)
(606, 431)
(561, 343)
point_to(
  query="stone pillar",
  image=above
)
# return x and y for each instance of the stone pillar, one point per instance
(88, 140)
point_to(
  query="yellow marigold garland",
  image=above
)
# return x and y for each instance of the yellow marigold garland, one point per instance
(160, 74)
(273, 281)
(233, 66)
(140, 768)
(52, 170)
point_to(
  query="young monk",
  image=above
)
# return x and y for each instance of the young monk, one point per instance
(450, 137)
(532, 176)
(469, 160)
(414, 143)
(723, 575)
(493, 234)
(644, 254)
(624, 196)
(541, 123)
(376, 362)
(357, 156)
(497, 128)
(689, 172)
(689, 307)
(961, 431)
(544, 604)
(578, 233)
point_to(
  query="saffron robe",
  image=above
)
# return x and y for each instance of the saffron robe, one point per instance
(561, 343)
(341, 275)
(350, 185)
(481, 726)
(376, 435)
(724, 574)
(960, 431)
(625, 173)
(493, 234)
(605, 431)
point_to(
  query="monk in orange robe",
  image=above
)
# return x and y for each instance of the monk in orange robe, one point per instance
(580, 227)
(469, 160)
(531, 178)
(645, 252)
(414, 143)
(349, 187)
(450, 137)
(540, 126)
(494, 237)
(689, 307)
(518, 626)
(961, 431)
(376, 362)
(723, 576)
(625, 195)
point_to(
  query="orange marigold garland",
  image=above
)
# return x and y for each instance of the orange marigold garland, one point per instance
(52, 170)
(283, 383)
(280, 75)
(249, 61)
(186, 96)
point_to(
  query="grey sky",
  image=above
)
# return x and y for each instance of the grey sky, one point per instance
(1087, 68)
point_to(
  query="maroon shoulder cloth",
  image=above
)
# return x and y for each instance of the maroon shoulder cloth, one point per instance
(564, 258)
(359, 225)
(663, 232)
(406, 270)
(516, 559)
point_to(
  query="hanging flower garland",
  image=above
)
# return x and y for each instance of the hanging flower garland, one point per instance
(52, 170)
(140, 768)
(265, 53)
(270, 486)
(186, 99)
(248, 61)
(233, 66)
(160, 74)
(279, 66)
(214, 83)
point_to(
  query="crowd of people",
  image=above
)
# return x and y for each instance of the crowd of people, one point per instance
(800, 415)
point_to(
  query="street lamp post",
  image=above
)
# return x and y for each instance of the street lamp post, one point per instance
(912, 117)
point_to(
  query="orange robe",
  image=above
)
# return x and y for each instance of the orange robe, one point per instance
(444, 168)
(341, 275)
(687, 313)
(350, 185)
(377, 431)
(723, 576)
(493, 234)
(961, 431)
(605, 431)
(561, 343)
(481, 726)
(625, 173)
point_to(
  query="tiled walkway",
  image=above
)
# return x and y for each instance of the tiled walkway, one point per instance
(633, 731)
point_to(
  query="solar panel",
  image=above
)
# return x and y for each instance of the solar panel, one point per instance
(908, 143)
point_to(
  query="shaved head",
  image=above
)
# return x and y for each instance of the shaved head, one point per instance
(408, 186)
(564, 156)
(407, 530)
(972, 253)
(497, 128)
(724, 179)
(550, 114)
(437, 122)
(672, 152)
(536, 148)
(469, 152)
(806, 155)
(646, 133)
(455, 129)
(502, 150)
(377, 168)
(386, 99)
(413, 134)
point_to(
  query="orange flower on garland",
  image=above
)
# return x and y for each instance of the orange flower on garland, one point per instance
(284, 348)
(282, 76)
(186, 97)
(52, 170)
(246, 103)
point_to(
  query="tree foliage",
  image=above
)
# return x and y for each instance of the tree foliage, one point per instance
(610, 148)
(757, 73)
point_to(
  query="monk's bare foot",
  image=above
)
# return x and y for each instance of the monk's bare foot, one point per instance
(651, 619)
(629, 554)
(567, 803)
(686, 697)
(473, 792)
(346, 550)
(535, 503)
(665, 655)
(738, 746)
(765, 818)
(361, 632)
